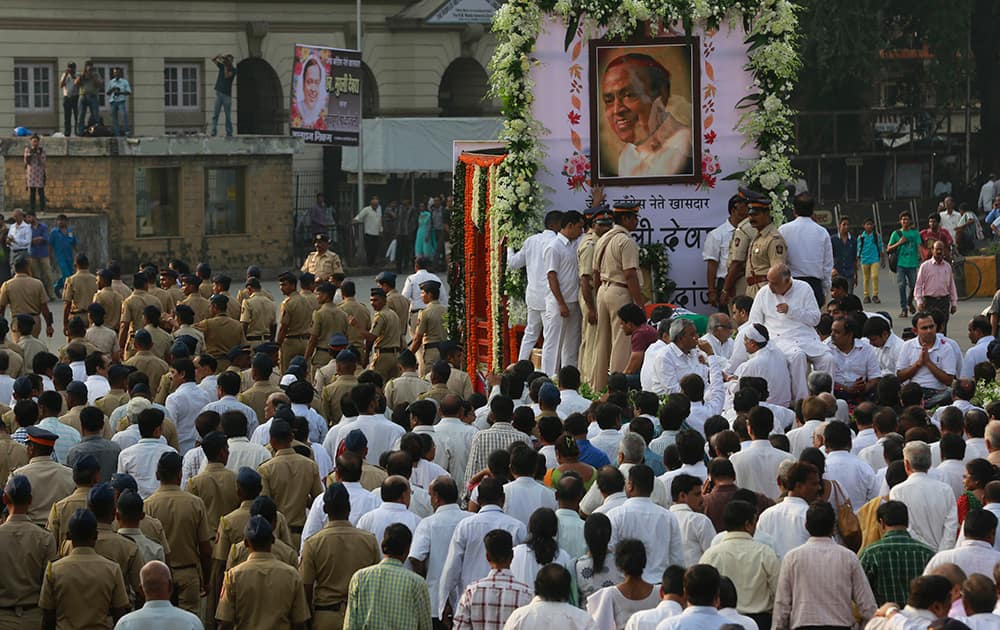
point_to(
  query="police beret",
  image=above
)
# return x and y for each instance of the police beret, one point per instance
(77, 388)
(101, 495)
(248, 478)
(124, 481)
(18, 489)
(219, 300)
(347, 356)
(378, 292)
(236, 351)
(626, 205)
(143, 337)
(356, 441)
(430, 284)
(386, 276)
(338, 339)
(258, 531)
(268, 347)
(87, 464)
(22, 386)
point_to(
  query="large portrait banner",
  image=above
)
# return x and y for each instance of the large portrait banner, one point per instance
(650, 120)
(326, 95)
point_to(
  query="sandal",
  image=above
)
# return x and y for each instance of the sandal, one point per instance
(876, 300)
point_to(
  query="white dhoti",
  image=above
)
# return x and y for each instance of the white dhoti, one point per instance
(561, 345)
(799, 355)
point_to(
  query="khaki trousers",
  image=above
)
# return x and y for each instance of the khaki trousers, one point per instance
(329, 619)
(426, 360)
(187, 585)
(611, 350)
(28, 619)
(41, 270)
(289, 349)
(588, 339)
(385, 363)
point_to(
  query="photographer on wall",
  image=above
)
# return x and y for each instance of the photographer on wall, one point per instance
(90, 85)
(34, 164)
(71, 98)
(118, 93)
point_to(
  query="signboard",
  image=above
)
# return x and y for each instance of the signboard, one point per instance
(326, 95)
(465, 12)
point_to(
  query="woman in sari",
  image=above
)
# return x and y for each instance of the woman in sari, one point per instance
(978, 473)
(426, 242)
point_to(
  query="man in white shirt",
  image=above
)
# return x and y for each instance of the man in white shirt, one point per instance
(381, 433)
(930, 599)
(740, 313)
(719, 335)
(974, 552)
(814, 412)
(697, 531)
(551, 608)
(524, 494)
(979, 597)
(715, 252)
(395, 494)
(532, 257)
(682, 357)
(979, 335)
(931, 503)
(570, 536)
(864, 417)
(651, 376)
(927, 359)
(563, 319)
(785, 522)
(18, 237)
(701, 592)
(856, 478)
(647, 522)
(887, 344)
(704, 404)
(141, 459)
(227, 388)
(411, 288)
(466, 561)
(765, 361)
(608, 417)
(856, 373)
(757, 466)
(570, 400)
(986, 194)
(610, 485)
(950, 218)
(348, 473)
(185, 403)
(788, 310)
(671, 602)
(96, 365)
(691, 449)
(810, 251)
(241, 451)
(456, 436)
(432, 538)
(371, 218)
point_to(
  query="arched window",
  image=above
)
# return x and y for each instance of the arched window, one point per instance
(369, 93)
(463, 89)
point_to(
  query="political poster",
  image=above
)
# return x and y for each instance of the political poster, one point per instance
(326, 95)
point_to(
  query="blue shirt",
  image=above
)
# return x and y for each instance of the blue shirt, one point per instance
(68, 437)
(159, 614)
(124, 89)
(992, 216)
(39, 230)
(844, 254)
(870, 248)
(590, 454)
(655, 462)
(63, 243)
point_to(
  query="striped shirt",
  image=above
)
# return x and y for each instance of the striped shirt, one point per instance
(388, 596)
(497, 438)
(487, 603)
(891, 563)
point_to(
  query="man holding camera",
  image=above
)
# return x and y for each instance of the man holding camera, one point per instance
(90, 84)
(71, 98)
(118, 92)
(223, 92)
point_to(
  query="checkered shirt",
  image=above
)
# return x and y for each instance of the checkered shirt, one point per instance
(487, 603)
(388, 596)
(890, 564)
(497, 438)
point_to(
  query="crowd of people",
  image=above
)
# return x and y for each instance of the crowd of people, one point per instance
(192, 457)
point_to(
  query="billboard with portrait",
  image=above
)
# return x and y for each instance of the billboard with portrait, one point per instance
(643, 123)
(326, 95)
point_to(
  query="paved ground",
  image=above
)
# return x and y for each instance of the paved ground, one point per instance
(887, 288)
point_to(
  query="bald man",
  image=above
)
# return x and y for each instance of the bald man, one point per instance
(158, 611)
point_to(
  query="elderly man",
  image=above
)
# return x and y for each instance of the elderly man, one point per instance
(768, 363)
(931, 503)
(935, 289)
(788, 309)
(635, 90)
(719, 335)
(158, 612)
(857, 372)
(685, 355)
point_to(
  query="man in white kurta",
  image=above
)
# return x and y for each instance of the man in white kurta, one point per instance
(788, 309)
(531, 256)
(931, 503)
(683, 357)
(563, 318)
(649, 523)
(856, 371)
(651, 373)
(766, 362)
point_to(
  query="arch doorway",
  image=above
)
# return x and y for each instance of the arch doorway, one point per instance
(463, 89)
(259, 102)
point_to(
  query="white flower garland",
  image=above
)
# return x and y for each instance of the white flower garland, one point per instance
(476, 212)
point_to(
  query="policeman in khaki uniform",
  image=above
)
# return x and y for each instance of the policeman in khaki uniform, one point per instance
(767, 250)
(347, 365)
(239, 553)
(294, 321)
(616, 275)
(109, 299)
(429, 332)
(290, 479)
(114, 546)
(459, 381)
(352, 308)
(25, 551)
(215, 484)
(221, 331)
(253, 271)
(168, 282)
(185, 522)
(255, 396)
(408, 386)
(322, 263)
(257, 315)
(739, 248)
(191, 287)
(82, 589)
(600, 220)
(79, 290)
(145, 361)
(26, 296)
(51, 481)
(307, 289)
(262, 592)
(331, 556)
(132, 311)
(399, 305)
(325, 375)
(86, 474)
(327, 321)
(383, 336)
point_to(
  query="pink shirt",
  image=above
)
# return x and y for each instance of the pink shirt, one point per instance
(935, 279)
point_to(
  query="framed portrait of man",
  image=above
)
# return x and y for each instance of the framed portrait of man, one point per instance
(644, 111)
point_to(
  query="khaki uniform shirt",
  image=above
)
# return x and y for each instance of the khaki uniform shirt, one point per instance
(739, 250)
(112, 303)
(103, 338)
(193, 332)
(333, 394)
(111, 401)
(405, 388)
(436, 392)
(121, 288)
(25, 550)
(164, 388)
(401, 307)
(615, 252)
(232, 306)
(222, 333)
(322, 265)
(31, 346)
(311, 298)
(352, 307)
(50, 482)
(205, 288)
(79, 290)
(293, 482)
(216, 486)
(117, 548)
(585, 259)
(262, 592)
(387, 330)
(165, 299)
(23, 294)
(176, 294)
(149, 364)
(460, 383)
(231, 526)
(327, 320)
(430, 323)
(16, 359)
(246, 378)
(239, 553)
(256, 395)
(199, 305)
(62, 510)
(82, 588)
(12, 455)
(296, 315)
(161, 340)
(258, 312)
(132, 309)
(83, 341)
(332, 555)
(767, 250)
(243, 294)
(152, 528)
(184, 521)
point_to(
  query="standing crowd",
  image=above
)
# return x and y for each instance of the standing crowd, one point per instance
(195, 457)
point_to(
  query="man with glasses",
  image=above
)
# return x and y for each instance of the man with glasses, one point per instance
(719, 335)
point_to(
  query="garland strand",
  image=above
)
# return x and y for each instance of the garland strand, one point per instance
(456, 269)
